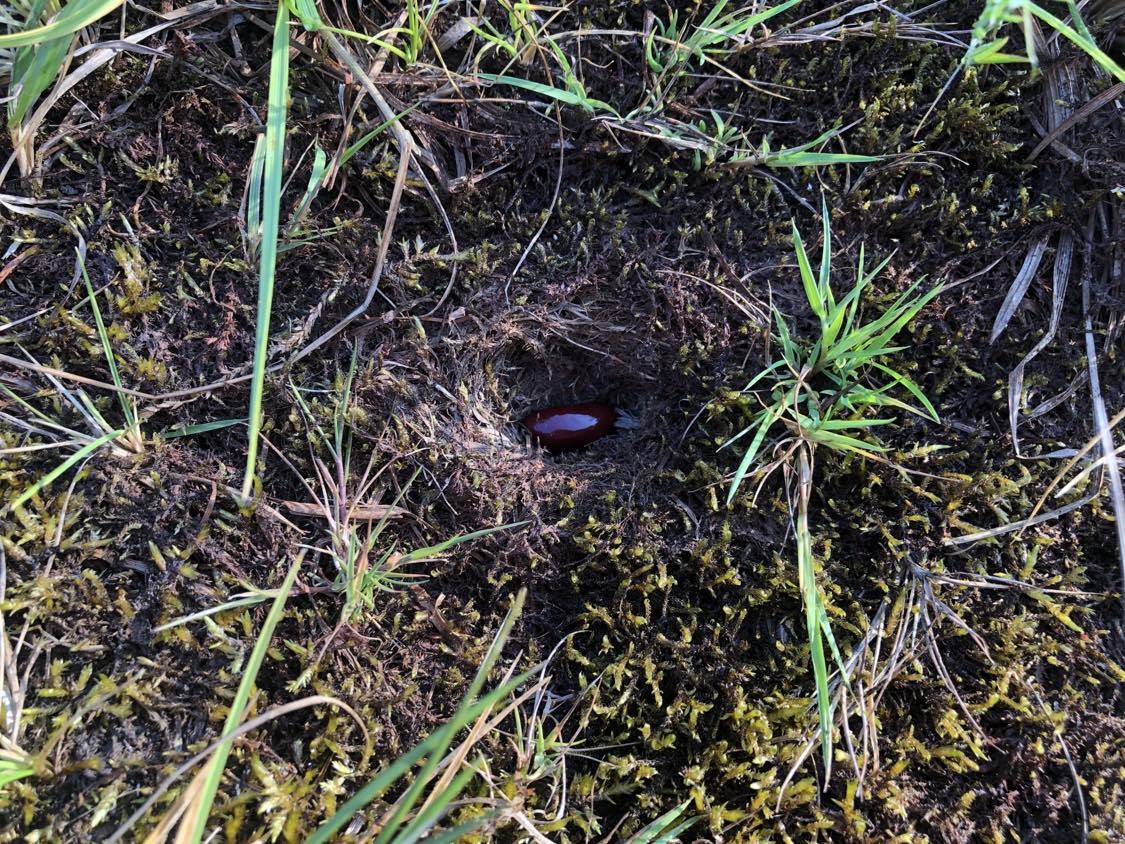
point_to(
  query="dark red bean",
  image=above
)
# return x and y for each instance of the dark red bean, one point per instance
(571, 425)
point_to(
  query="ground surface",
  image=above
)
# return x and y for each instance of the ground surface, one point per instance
(679, 618)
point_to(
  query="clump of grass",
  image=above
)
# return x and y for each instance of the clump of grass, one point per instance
(670, 48)
(366, 564)
(819, 395)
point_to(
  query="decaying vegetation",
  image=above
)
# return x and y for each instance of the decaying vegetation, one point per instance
(278, 563)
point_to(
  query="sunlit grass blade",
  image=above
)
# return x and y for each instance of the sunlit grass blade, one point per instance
(433, 550)
(788, 350)
(316, 180)
(750, 384)
(826, 631)
(271, 212)
(847, 424)
(1080, 38)
(751, 427)
(200, 428)
(253, 214)
(424, 821)
(246, 600)
(34, 70)
(448, 731)
(788, 158)
(76, 15)
(358, 146)
(911, 387)
(880, 399)
(842, 442)
(824, 281)
(563, 96)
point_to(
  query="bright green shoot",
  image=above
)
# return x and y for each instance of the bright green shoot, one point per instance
(987, 48)
(819, 395)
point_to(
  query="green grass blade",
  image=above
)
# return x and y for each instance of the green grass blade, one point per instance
(842, 442)
(847, 424)
(316, 180)
(374, 133)
(248, 601)
(806, 575)
(103, 335)
(748, 458)
(461, 831)
(826, 630)
(815, 159)
(33, 72)
(437, 744)
(76, 15)
(788, 350)
(407, 801)
(433, 550)
(911, 387)
(826, 257)
(560, 94)
(254, 196)
(271, 211)
(753, 20)
(63, 467)
(750, 384)
(425, 820)
(812, 292)
(665, 828)
(200, 428)
(1086, 44)
(306, 12)
(241, 698)
(744, 431)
